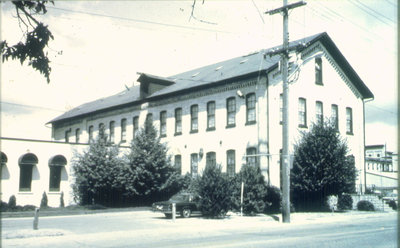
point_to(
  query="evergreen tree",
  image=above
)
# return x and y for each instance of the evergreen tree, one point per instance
(321, 167)
(44, 201)
(215, 191)
(254, 193)
(148, 172)
(96, 173)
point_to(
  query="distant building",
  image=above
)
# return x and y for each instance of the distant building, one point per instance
(381, 168)
(228, 113)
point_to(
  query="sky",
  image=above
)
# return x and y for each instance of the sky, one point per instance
(99, 48)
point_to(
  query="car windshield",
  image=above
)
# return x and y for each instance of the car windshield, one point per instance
(180, 197)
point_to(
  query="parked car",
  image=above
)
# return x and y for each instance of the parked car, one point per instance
(186, 204)
(390, 197)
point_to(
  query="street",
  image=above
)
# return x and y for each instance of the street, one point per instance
(147, 229)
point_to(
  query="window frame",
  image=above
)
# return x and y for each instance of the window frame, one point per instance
(251, 105)
(178, 166)
(335, 119)
(123, 130)
(77, 135)
(349, 121)
(211, 158)
(135, 126)
(211, 107)
(194, 118)
(90, 133)
(178, 121)
(163, 123)
(194, 164)
(302, 113)
(318, 71)
(112, 131)
(230, 113)
(319, 117)
(231, 166)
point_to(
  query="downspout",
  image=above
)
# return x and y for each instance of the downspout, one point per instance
(269, 152)
(365, 167)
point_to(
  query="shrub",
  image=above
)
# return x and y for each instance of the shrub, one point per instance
(364, 205)
(44, 201)
(28, 208)
(62, 200)
(393, 204)
(332, 202)
(214, 190)
(12, 202)
(345, 202)
(254, 191)
(3, 206)
(273, 200)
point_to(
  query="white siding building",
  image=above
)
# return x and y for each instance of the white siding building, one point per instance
(229, 113)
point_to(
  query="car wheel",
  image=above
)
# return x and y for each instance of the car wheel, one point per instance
(169, 216)
(185, 213)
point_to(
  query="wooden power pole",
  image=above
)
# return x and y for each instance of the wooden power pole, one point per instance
(285, 101)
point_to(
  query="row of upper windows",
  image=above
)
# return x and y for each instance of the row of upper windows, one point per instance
(211, 158)
(319, 115)
(194, 120)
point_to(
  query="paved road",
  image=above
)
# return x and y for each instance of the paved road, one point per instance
(146, 229)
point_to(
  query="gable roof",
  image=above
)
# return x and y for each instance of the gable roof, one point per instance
(226, 71)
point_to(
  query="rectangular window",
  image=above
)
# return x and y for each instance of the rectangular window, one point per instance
(55, 178)
(163, 123)
(123, 130)
(230, 163)
(67, 134)
(194, 164)
(335, 117)
(77, 135)
(302, 112)
(112, 131)
(318, 71)
(178, 163)
(251, 108)
(210, 158)
(194, 118)
(178, 121)
(101, 130)
(251, 156)
(349, 121)
(210, 116)
(25, 177)
(319, 113)
(148, 122)
(231, 112)
(135, 124)
(280, 108)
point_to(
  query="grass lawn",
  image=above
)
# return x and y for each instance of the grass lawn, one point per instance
(69, 210)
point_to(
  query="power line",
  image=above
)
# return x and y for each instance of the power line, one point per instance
(142, 21)
(371, 12)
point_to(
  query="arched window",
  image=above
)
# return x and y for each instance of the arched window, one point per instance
(211, 158)
(3, 159)
(56, 163)
(230, 163)
(26, 163)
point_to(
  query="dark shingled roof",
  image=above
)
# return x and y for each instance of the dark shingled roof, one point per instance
(229, 70)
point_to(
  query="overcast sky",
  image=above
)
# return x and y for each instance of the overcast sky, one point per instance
(99, 47)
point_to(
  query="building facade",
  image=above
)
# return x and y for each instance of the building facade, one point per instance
(230, 113)
(381, 168)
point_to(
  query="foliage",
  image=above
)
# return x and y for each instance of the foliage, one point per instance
(149, 173)
(214, 190)
(36, 36)
(62, 200)
(332, 202)
(345, 202)
(273, 200)
(12, 202)
(321, 168)
(364, 205)
(97, 173)
(254, 192)
(44, 201)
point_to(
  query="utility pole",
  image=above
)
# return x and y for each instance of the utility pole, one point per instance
(285, 102)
